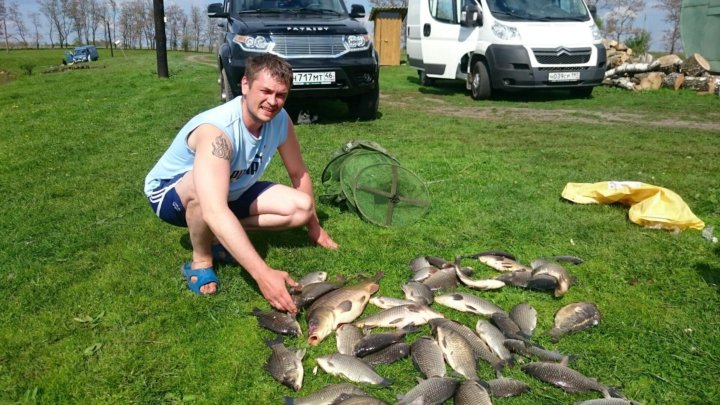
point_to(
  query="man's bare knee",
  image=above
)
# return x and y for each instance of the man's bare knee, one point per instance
(303, 210)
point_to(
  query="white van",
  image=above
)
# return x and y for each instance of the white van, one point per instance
(506, 44)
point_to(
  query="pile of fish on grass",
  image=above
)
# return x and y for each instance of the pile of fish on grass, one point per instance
(499, 335)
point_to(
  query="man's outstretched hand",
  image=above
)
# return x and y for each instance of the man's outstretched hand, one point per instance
(321, 238)
(273, 287)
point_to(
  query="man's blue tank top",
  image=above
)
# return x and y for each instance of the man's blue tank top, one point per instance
(251, 155)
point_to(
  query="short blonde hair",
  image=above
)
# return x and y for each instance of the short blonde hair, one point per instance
(278, 68)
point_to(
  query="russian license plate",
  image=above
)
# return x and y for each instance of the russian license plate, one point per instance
(563, 76)
(307, 78)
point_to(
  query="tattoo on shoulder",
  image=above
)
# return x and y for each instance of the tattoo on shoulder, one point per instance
(221, 148)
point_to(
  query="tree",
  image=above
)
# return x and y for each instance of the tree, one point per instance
(212, 32)
(197, 22)
(619, 21)
(671, 36)
(35, 19)
(17, 19)
(3, 25)
(55, 12)
(174, 16)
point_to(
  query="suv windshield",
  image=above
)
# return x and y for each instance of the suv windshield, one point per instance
(539, 10)
(301, 6)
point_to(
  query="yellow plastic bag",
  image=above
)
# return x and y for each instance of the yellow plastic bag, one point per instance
(650, 206)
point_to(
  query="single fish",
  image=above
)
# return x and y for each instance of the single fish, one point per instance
(433, 391)
(279, 322)
(343, 305)
(479, 347)
(482, 284)
(507, 326)
(352, 399)
(566, 259)
(525, 317)
(311, 292)
(326, 395)
(351, 368)
(438, 262)
(468, 303)
(518, 278)
(428, 357)
(418, 263)
(423, 274)
(494, 339)
(559, 273)
(400, 317)
(285, 365)
(373, 342)
(574, 317)
(608, 401)
(443, 279)
(346, 336)
(502, 263)
(390, 354)
(457, 352)
(529, 349)
(471, 392)
(507, 387)
(542, 282)
(491, 253)
(418, 292)
(566, 378)
(312, 277)
(389, 302)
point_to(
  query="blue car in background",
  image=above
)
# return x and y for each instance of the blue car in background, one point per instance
(85, 53)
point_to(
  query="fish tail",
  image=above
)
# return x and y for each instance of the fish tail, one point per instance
(614, 393)
(289, 401)
(555, 334)
(385, 383)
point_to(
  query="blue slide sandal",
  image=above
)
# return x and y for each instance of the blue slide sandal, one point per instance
(204, 276)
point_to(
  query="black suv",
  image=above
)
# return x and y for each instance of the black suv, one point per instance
(329, 49)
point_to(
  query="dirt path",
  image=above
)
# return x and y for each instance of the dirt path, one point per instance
(436, 105)
(202, 58)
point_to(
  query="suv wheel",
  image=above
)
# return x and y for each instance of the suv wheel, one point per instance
(225, 90)
(365, 107)
(480, 86)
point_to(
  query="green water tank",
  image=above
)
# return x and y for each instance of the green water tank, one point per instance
(700, 30)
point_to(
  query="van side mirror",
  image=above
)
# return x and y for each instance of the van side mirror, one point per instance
(215, 10)
(593, 11)
(471, 16)
(357, 11)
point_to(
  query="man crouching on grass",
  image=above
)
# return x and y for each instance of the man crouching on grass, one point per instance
(207, 181)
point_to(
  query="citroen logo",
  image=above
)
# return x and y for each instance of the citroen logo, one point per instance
(562, 51)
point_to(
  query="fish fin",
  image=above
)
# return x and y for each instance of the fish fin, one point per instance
(555, 334)
(483, 384)
(345, 306)
(300, 354)
(272, 342)
(614, 393)
(289, 401)
(385, 383)
(510, 362)
(256, 311)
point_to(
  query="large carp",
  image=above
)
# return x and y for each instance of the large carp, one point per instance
(343, 305)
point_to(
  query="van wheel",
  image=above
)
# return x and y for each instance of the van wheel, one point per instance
(480, 86)
(225, 90)
(424, 79)
(365, 106)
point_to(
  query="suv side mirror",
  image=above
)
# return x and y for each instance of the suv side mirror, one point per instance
(215, 10)
(471, 16)
(357, 11)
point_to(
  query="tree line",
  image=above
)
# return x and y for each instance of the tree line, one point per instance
(65, 23)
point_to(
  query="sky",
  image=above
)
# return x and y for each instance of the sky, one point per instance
(651, 20)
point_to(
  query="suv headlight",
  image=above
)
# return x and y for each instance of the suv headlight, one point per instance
(357, 42)
(254, 44)
(505, 32)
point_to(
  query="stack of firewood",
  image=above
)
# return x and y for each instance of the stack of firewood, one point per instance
(643, 73)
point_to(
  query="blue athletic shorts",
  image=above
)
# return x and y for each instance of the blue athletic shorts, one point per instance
(166, 204)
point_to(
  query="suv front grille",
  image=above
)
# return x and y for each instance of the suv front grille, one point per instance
(291, 46)
(562, 56)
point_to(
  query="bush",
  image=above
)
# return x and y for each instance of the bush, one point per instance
(640, 42)
(27, 68)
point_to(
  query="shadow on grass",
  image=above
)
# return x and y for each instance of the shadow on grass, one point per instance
(319, 111)
(709, 274)
(453, 87)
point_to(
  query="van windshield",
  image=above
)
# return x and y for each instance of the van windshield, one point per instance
(300, 6)
(539, 10)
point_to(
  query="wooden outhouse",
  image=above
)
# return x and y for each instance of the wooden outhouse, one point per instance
(388, 33)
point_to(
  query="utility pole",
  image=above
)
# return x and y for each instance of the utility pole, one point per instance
(160, 40)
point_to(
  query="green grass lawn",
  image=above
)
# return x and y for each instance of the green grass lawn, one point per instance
(95, 310)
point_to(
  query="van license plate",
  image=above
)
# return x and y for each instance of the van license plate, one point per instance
(307, 78)
(563, 76)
